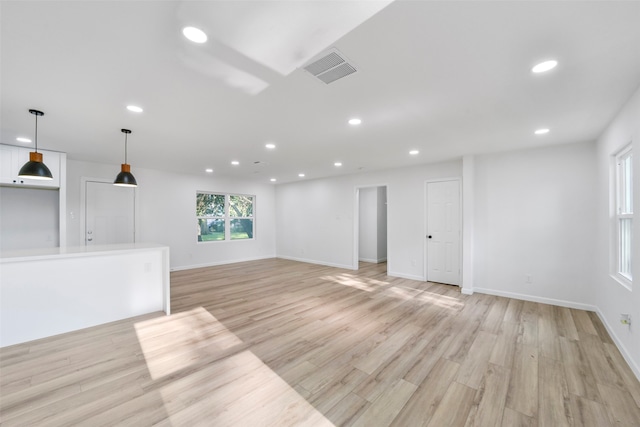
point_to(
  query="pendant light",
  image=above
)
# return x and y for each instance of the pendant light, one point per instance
(34, 168)
(125, 178)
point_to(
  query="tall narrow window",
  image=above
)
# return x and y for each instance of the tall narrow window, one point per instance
(624, 212)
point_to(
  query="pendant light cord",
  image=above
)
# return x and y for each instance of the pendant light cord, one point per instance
(36, 133)
(125, 148)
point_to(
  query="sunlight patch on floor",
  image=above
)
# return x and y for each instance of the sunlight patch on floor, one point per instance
(210, 388)
(258, 397)
(196, 334)
(401, 292)
(439, 300)
(368, 285)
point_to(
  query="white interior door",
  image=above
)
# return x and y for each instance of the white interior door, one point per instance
(443, 232)
(110, 214)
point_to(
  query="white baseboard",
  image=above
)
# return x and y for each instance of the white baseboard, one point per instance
(313, 261)
(213, 264)
(466, 291)
(533, 298)
(382, 260)
(623, 350)
(405, 276)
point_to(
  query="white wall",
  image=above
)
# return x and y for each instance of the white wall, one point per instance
(166, 213)
(368, 234)
(613, 298)
(315, 220)
(534, 216)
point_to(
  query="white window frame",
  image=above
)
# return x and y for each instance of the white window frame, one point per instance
(228, 217)
(623, 211)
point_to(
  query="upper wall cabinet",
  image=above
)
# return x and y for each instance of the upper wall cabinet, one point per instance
(13, 158)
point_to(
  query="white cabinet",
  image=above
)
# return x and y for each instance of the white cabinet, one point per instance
(13, 158)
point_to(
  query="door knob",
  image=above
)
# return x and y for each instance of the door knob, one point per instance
(429, 236)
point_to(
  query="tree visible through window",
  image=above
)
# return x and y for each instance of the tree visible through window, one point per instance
(224, 217)
(624, 212)
(241, 212)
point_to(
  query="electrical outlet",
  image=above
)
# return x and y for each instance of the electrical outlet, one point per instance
(527, 279)
(413, 262)
(625, 319)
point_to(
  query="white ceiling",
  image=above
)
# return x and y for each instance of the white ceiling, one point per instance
(447, 78)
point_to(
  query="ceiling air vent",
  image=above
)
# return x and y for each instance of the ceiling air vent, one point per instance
(331, 67)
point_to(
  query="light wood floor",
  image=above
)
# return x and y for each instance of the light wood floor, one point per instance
(280, 343)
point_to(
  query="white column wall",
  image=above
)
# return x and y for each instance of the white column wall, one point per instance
(468, 223)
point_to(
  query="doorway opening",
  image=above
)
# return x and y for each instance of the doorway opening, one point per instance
(370, 226)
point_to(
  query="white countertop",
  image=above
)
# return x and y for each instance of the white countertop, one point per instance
(73, 251)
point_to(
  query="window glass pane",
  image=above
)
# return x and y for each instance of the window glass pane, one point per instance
(624, 250)
(628, 195)
(209, 204)
(624, 213)
(241, 228)
(210, 229)
(240, 206)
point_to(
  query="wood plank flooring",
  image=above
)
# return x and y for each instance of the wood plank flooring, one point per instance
(281, 343)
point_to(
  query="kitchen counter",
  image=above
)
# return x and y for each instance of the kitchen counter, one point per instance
(45, 292)
(72, 251)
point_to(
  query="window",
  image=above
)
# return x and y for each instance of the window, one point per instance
(624, 213)
(224, 217)
(241, 214)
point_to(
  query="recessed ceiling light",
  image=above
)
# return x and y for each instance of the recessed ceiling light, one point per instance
(270, 146)
(541, 131)
(134, 108)
(23, 139)
(235, 163)
(273, 180)
(194, 34)
(355, 122)
(337, 164)
(414, 152)
(545, 66)
(301, 175)
(209, 170)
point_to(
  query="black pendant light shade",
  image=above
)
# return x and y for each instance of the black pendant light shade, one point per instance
(34, 168)
(125, 178)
